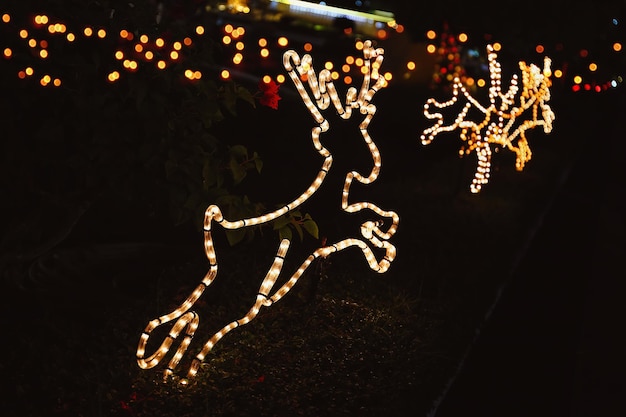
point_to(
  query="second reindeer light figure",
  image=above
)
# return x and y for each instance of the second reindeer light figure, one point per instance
(374, 235)
(501, 121)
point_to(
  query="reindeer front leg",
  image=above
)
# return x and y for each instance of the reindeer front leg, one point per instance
(262, 299)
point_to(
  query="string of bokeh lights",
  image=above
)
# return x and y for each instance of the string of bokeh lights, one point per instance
(37, 36)
(585, 76)
(133, 50)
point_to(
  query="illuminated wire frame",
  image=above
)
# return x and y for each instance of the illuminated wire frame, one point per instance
(502, 123)
(374, 232)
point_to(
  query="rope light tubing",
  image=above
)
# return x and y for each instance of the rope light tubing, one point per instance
(372, 231)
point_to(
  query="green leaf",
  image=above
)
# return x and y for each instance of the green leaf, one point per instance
(258, 162)
(285, 233)
(298, 229)
(230, 98)
(245, 95)
(281, 222)
(311, 227)
(239, 172)
(239, 151)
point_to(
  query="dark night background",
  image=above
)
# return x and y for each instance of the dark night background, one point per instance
(98, 195)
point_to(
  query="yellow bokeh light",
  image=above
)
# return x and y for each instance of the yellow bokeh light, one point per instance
(558, 73)
(410, 65)
(359, 45)
(593, 67)
(149, 55)
(283, 41)
(225, 74)
(178, 46)
(578, 79)
(71, 37)
(226, 40)
(23, 34)
(161, 64)
(239, 46)
(144, 38)
(6, 18)
(174, 55)
(497, 46)
(32, 43)
(262, 42)
(267, 79)
(462, 37)
(241, 31)
(228, 28)
(265, 52)
(119, 55)
(280, 78)
(359, 62)
(334, 75)
(52, 29)
(43, 53)
(8, 52)
(102, 33)
(431, 49)
(237, 58)
(349, 60)
(88, 31)
(345, 68)
(159, 42)
(388, 76)
(431, 34)
(199, 30)
(29, 71)
(328, 65)
(481, 82)
(113, 76)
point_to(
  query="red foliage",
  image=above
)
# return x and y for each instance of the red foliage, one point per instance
(269, 93)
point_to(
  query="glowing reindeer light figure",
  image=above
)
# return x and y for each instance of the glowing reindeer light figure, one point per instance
(371, 232)
(502, 123)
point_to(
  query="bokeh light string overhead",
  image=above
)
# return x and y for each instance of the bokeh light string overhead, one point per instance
(373, 236)
(502, 121)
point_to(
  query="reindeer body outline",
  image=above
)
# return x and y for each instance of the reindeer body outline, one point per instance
(498, 121)
(324, 93)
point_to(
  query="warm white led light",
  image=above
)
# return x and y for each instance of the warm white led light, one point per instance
(502, 120)
(374, 234)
